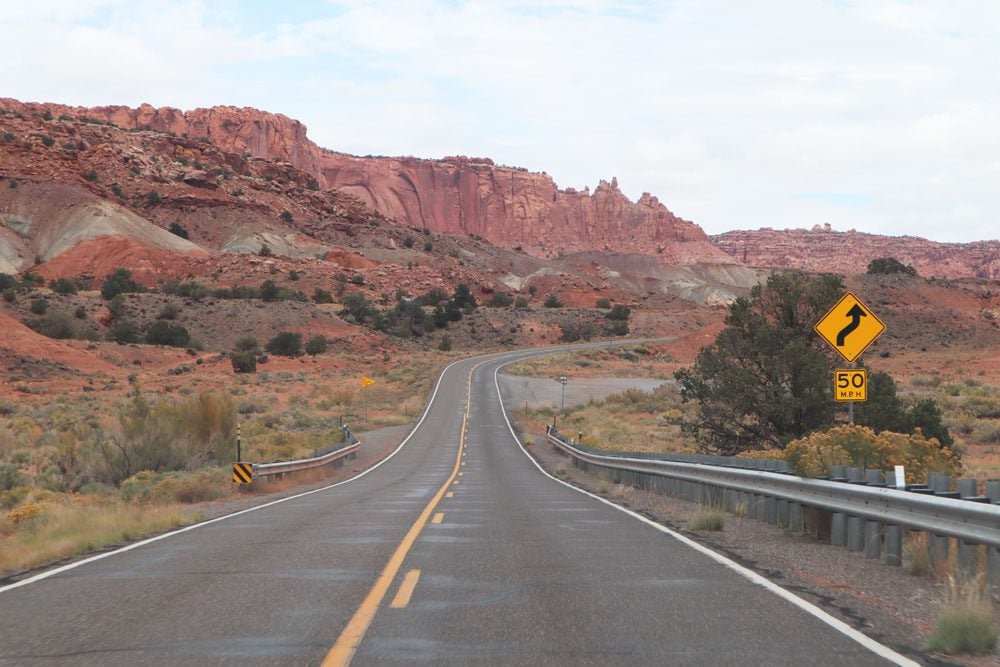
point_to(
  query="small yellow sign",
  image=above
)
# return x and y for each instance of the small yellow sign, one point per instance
(242, 473)
(366, 381)
(850, 385)
(850, 327)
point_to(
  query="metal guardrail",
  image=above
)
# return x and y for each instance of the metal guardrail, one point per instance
(348, 451)
(973, 523)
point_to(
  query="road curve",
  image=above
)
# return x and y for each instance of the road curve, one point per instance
(456, 550)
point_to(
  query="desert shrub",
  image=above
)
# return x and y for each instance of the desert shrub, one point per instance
(166, 435)
(117, 190)
(248, 344)
(619, 313)
(55, 325)
(603, 303)
(499, 300)
(713, 521)
(285, 344)
(244, 362)
(269, 291)
(8, 137)
(91, 175)
(119, 282)
(552, 301)
(445, 344)
(177, 230)
(570, 333)
(161, 332)
(462, 298)
(39, 306)
(965, 622)
(521, 303)
(7, 281)
(432, 298)
(153, 198)
(889, 265)
(170, 311)
(357, 279)
(286, 215)
(618, 328)
(357, 306)
(322, 296)
(813, 455)
(428, 246)
(80, 313)
(62, 286)
(316, 345)
(265, 251)
(124, 332)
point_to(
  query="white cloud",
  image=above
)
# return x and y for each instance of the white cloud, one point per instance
(728, 112)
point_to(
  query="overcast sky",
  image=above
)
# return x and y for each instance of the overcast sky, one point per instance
(881, 116)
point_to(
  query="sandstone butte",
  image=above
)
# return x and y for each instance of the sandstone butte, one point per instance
(509, 207)
(823, 249)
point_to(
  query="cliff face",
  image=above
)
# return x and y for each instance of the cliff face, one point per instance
(240, 130)
(823, 249)
(516, 208)
(507, 206)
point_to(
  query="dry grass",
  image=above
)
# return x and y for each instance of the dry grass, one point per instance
(708, 520)
(965, 623)
(61, 531)
(916, 556)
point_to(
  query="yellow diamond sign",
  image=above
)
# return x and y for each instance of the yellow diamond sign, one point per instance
(850, 327)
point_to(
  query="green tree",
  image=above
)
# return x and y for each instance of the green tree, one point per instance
(285, 344)
(552, 301)
(322, 296)
(62, 286)
(269, 291)
(161, 332)
(619, 313)
(463, 298)
(889, 265)
(766, 379)
(178, 230)
(243, 362)
(119, 282)
(316, 345)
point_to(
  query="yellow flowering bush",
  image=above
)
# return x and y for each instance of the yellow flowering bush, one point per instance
(813, 455)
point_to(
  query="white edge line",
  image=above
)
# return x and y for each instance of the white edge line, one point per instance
(861, 638)
(135, 545)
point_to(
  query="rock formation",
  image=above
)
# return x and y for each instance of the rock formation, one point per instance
(823, 249)
(507, 206)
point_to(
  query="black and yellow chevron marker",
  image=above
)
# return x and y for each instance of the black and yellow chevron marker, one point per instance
(242, 473)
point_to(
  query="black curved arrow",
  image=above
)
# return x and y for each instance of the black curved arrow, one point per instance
(855, 313)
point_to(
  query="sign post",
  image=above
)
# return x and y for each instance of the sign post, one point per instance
(365, 383)
(850, 327)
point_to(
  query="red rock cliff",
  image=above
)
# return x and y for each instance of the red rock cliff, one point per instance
(514, 207)
(241, 130)
(823, 249)
(507, 206)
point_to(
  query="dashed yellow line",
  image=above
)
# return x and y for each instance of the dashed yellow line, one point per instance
(342, 652)
(405, 591)
(438, 517)
(449, 494)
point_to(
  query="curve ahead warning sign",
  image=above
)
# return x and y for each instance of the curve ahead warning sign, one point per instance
(849, 327)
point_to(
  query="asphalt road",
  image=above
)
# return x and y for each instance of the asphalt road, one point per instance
(444, 554)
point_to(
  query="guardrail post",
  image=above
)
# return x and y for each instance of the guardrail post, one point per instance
(782, 512)
(873, 478)
(893, 546)
(967, 488)
(993, 492)
(993, 566)
(760, 503)
(873, 539)
(855, 533)
(772, 510)
(796, 517)
(838, 472)
(854, 475)
(937, 545)
(838, 529)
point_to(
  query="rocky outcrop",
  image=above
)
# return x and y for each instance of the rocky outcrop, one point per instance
(823, 249)
(507, 206)
(513, 207)
(251, 132)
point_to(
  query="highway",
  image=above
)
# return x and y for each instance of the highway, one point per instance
(457, 550)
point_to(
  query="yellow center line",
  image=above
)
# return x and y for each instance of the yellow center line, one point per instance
(438, 517)
(405, 591)
(449, 494)
(342, 652)
(460, 474)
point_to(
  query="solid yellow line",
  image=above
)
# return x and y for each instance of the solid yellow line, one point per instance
(405, 591)
(437, 517)
(342, 652)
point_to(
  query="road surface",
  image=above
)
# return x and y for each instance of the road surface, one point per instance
(457, 550)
